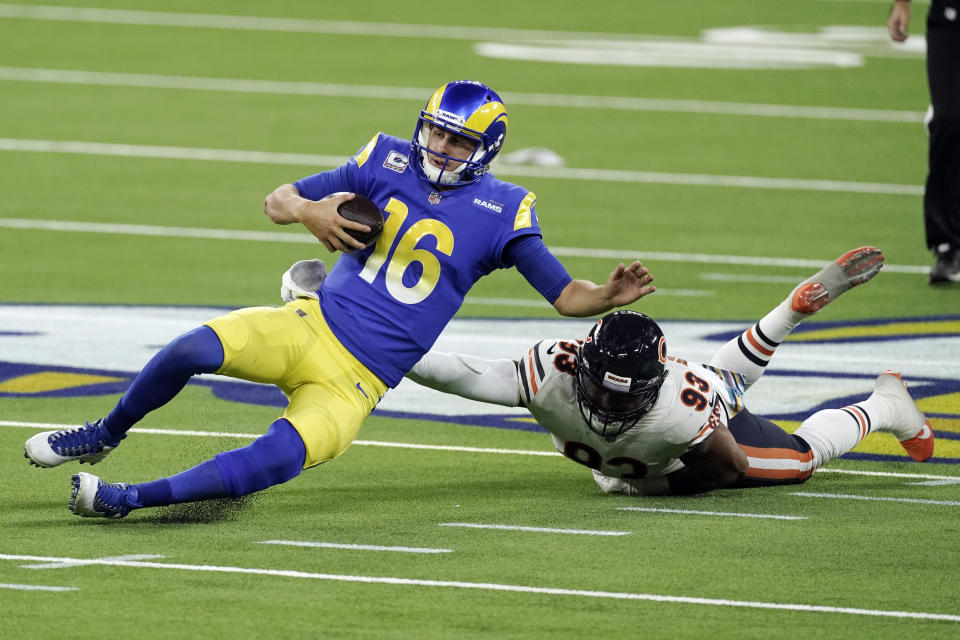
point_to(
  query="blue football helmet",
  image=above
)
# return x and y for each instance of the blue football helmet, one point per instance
(468, 109)
(620, 369)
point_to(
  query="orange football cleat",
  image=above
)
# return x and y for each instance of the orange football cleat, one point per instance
(849, 270)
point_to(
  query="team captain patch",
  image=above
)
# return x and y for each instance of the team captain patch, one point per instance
(396, 161)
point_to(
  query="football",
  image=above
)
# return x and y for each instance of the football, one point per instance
(361, 209)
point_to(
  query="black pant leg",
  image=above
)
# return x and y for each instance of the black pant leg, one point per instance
(941, 202)
(776, 457)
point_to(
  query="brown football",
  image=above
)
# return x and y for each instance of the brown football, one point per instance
(361, 209)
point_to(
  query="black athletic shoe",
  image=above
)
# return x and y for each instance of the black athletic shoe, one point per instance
(947, 267)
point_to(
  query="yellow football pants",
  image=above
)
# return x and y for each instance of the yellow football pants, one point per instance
(330, 392)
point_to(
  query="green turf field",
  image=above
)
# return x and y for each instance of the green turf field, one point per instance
(132, 134)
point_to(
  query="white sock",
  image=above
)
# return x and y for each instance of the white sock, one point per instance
(833, 432)
(777, 324)
(887, 419)
(751, 351)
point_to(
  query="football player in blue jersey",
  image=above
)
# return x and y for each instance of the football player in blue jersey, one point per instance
(448, 222)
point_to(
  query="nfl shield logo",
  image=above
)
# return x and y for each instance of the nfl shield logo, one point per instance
(434, 197)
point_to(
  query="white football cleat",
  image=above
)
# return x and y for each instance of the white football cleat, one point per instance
(908, 423)
(90, 443)
(94, 498)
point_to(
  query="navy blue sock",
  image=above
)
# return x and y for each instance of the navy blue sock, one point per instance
(202, 482)
(271, 459)
(197, 351)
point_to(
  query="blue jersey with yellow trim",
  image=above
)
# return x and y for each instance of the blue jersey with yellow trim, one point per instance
(388, 303)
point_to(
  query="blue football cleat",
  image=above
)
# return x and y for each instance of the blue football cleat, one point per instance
(94, 498)
(89, 443)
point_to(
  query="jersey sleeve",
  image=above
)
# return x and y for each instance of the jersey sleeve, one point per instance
(732, 390)
(492, 381)
(693, 404)
(544, 360)
(716, 418)
(519, 221)
(541, 268)
(706, 430)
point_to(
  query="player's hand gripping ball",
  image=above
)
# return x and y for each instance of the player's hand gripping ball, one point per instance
(361, 209)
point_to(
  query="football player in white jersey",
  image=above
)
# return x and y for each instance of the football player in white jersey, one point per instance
(650, 424)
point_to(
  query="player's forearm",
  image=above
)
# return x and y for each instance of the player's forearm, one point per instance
(493, 381)
(685, 482)
(582, 298)
(682, 482)
(719, 458)
(284, 205)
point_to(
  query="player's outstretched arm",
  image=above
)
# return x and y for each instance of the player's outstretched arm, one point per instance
(626, 284)
(718, 458)
(493, 381)
(285, 206)
(682, 482)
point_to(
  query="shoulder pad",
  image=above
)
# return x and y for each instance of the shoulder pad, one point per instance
(364, 153)
(523, 219)
(699, 401)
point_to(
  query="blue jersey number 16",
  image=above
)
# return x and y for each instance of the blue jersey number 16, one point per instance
(406, 253)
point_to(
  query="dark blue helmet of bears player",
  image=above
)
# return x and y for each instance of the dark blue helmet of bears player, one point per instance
(621, 367)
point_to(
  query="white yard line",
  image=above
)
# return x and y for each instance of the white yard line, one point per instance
(704, 180)
(708, 258)
(558, 173)
(713, 513)
(535, 303)
(417, 94)
(941, 482)
(157, 231)
(419, 31)
(886, 474)
(884, 2)
(510, 588)
(169, 153)
(841, 496)
(743, 277)
(174, 432)
(65, 565)
(251, 436)
(355, 547)
(511, 527)
(563, 252)
(34, 587)
(539, 303)
(437, 447)
(45, 426)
